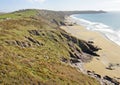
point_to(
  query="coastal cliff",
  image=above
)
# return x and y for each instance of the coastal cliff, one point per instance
(35, 51)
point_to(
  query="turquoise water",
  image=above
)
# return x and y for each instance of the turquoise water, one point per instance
(111, 19)
(106, 23)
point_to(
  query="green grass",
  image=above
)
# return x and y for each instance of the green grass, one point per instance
(35, 65)
(21, 14)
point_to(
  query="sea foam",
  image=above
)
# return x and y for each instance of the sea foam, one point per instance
(113, 35)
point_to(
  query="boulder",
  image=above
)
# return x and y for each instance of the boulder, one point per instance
(110, 67)
(91, 42)
(111, 80)
(97, 76)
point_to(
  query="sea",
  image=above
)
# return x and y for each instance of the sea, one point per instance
(106, 23)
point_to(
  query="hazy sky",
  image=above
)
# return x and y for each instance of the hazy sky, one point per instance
(11, 5)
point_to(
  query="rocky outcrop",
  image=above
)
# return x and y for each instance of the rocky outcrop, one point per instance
(106, 80)
(76, 53)
(34, 41)
(55, 22)
(85, 46)
(73, 61)
(34, 32)
(115, 82)
(91, 42)
(88, 48)
(65, 60)
(62, 23)
(19, 43)
(25, 43)
(79, 52)
(93, 74)
(58, 23)
(112, 66)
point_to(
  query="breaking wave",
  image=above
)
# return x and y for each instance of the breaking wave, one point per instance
(113, 35)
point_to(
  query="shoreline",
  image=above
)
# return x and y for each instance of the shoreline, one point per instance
(92, 26)
(108, 55)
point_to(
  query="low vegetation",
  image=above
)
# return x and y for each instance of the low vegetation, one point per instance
(32, 48)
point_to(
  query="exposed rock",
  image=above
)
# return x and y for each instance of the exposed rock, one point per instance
(106, 80)
(93, 74)
(34, 41)
(54, 38)
(91, 42)
(88, 48)
(98, 76)
(24, 43)
(111, 80)
(62, 23)
(19, 43)
(92, 47)
(64, 60)
(85, 46)
(118, 64)
(66, 36)
(89, 72)
(75, 40)
(112, 66)
(70, 24)
(34, 32)
(76, 53)
(10, 42)
(77, 63)
(55, 22)
(75, 60)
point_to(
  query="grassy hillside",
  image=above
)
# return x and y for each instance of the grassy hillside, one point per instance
(18, 14)
(32, 51)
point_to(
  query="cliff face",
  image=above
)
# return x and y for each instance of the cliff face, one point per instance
(35, 51)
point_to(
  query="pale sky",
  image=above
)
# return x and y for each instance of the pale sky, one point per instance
(69, 5)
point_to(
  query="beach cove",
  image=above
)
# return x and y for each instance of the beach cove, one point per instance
(109, 55)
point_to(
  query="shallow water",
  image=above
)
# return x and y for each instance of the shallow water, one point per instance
(106, 23)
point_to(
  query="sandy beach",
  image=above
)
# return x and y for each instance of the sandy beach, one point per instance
(110, 53)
